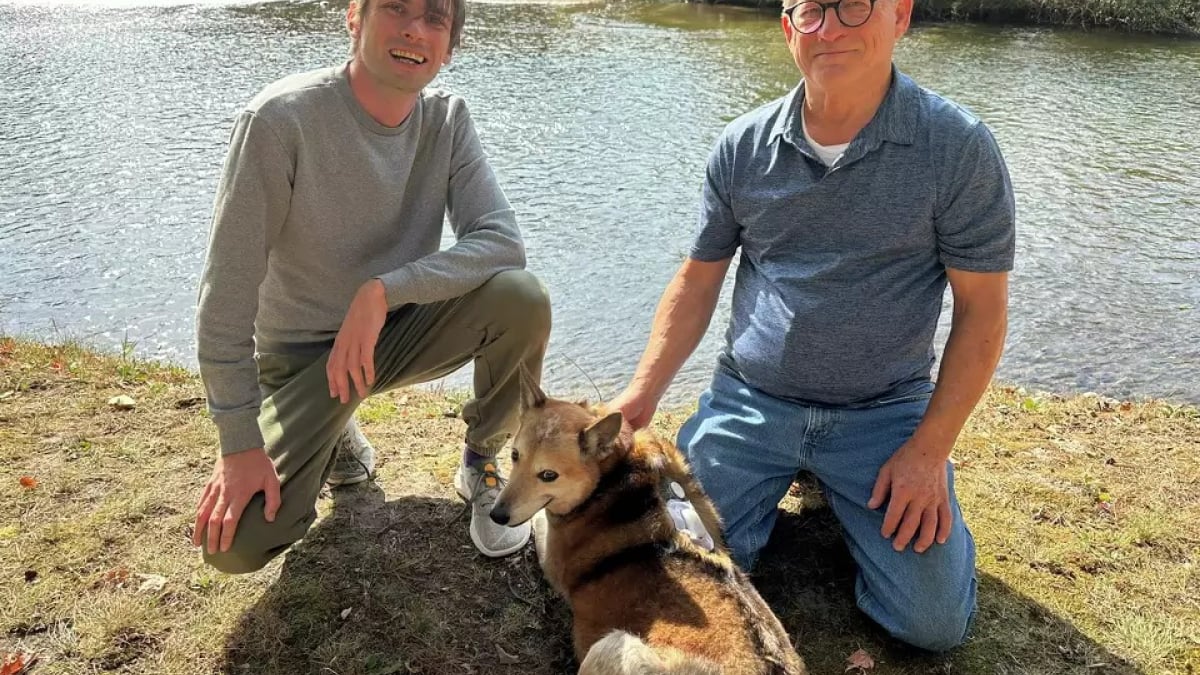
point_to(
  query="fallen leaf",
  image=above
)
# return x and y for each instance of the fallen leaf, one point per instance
(506, 658)
(16, 663)
(7, 394)
(29, 482)
(860, 660)
(115, 577)
(122, 402)
(151, 583)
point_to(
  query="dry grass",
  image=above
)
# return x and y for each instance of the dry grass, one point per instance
(1086, 512)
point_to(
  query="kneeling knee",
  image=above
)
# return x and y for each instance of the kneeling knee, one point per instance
(937, 640)
(932, 626)
(934, 633)
(520, 296)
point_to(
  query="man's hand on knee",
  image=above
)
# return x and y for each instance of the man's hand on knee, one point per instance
(235, 480)
(919, 499)
(353, 357)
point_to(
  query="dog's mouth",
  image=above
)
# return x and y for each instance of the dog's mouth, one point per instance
(405, 56)
(531, 515)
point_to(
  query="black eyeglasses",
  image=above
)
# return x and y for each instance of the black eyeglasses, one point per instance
(808, 17)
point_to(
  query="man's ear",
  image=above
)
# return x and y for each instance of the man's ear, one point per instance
(532, 395)
(597, 440)
(353, 19)
(904, 9)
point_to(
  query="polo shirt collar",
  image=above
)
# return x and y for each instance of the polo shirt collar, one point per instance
(894, 121)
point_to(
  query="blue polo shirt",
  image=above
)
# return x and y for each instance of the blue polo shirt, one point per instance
(843, 268)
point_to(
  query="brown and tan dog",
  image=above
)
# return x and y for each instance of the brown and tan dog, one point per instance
(645, 597)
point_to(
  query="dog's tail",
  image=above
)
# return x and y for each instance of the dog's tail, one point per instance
(621, 653)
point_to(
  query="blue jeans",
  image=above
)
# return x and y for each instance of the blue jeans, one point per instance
(746, 446)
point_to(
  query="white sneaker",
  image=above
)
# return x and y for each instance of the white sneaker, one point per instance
(355, 458)
(481, 487)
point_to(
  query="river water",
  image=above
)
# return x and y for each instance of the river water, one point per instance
(114, 117)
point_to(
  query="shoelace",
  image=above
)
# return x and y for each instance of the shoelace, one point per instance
(345, 448)
(482, 490)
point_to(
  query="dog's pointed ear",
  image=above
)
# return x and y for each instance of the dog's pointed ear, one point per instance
(532, 395)
(598, 439)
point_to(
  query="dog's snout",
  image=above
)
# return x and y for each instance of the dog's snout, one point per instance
(500, 515)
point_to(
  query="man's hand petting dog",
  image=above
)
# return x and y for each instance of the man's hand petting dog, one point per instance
(235, 480)
(915, 479)
(353, 357)
(636, 408)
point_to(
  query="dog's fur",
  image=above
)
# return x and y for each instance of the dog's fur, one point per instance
(644, 597)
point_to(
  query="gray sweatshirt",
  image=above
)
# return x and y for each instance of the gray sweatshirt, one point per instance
(316, 198)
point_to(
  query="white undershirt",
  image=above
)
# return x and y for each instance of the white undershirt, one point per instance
(828, 153)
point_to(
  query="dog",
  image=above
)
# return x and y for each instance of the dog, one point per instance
(650, 592)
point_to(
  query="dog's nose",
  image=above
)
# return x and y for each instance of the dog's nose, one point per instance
(500, 516)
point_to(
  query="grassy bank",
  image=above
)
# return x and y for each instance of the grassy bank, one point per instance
(1086, 512)
(1176, 17)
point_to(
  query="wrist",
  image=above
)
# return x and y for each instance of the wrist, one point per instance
(644, 389)
(932, 445)
(374, 291)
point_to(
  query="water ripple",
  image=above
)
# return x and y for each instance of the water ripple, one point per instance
(598, 118)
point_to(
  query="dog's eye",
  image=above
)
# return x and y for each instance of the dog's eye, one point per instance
(516, 455)
(547, 476)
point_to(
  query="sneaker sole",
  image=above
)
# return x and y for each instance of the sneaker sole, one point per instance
(461, 488)
(342, 482)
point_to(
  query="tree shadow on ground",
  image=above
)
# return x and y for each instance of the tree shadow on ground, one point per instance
(396, 586)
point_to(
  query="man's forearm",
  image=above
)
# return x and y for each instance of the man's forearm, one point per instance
(251, 205)
(968, 363)
(476, 257)
(682, 317)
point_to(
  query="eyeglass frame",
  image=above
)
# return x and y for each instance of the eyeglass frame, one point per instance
(836, 6)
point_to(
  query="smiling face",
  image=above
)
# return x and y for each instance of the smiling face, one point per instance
(839, 59)
(550, 468)
(402, 44)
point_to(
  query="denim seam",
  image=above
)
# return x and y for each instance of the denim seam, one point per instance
(805, 453)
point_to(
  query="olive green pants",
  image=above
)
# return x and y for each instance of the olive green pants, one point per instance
(500, 326)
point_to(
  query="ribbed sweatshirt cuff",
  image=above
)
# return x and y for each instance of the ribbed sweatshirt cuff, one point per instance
(238, 431)
(396, 287)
